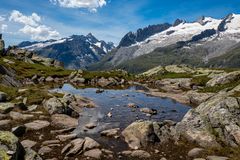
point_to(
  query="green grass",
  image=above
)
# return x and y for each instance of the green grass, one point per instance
(236, 94)
(218, 88)
(10, 91)
(173, 75)
(200, 80)
(27, 70)
(88, 75)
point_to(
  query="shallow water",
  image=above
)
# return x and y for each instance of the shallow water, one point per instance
(116, 102)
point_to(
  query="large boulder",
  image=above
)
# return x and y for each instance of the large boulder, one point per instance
(198, 98)
(54, 106)
(213, 122)
(224, 78)
(10, 147)
(139, 134)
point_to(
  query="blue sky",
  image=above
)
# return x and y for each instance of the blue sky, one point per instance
(107, 19)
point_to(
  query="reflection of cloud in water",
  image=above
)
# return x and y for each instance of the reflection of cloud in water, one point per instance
(93, 115)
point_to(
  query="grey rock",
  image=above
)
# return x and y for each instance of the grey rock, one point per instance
(64, 138)
(148, 110)
(19, 116)
(219, 115)
(139, 133)
(4, 122)
(37, 125)
(110, 132)
(90, 144)
(31, 155)
(44, 150)
(224, 78)
(140, 154)
(94, 153)
(63, 121)
(54, 106)
(217, 158)
(74, 147)
(195, 152)
(28, 143)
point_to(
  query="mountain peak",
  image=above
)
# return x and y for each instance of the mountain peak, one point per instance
(178, 21)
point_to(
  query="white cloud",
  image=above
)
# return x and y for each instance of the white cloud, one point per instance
(92, 5)
(4, 27)
(2, 18)
(41, 32)
(33, 27)
(32, 20)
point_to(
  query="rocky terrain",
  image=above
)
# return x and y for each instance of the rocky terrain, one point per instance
(36, 123)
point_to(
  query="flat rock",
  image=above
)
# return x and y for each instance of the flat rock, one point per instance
(19, 116)
(44, 150)
(49, 142)
(77, 147)
(4, 122)
(64, 138)
(195, 152)
(217, 158)
(140, 154)
(148, 110)
(91, 125)
(28, 143)
(110, 132)
(37, 125)
(94, 153)
(63, 121)
(90, 144)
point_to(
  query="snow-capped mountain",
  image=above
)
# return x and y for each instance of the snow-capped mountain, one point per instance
(205, 38)
(76, 51)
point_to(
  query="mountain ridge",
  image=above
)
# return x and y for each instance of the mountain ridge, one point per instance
(76, 51)
(201, 40)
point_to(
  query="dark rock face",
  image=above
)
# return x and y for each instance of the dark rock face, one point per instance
(204, 34)
(77, 51)
(226, 20)
(2, 45)
(177, 22)
(142, 34)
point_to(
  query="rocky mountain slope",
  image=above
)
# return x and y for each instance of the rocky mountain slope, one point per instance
(199, 43)
(74, 51)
